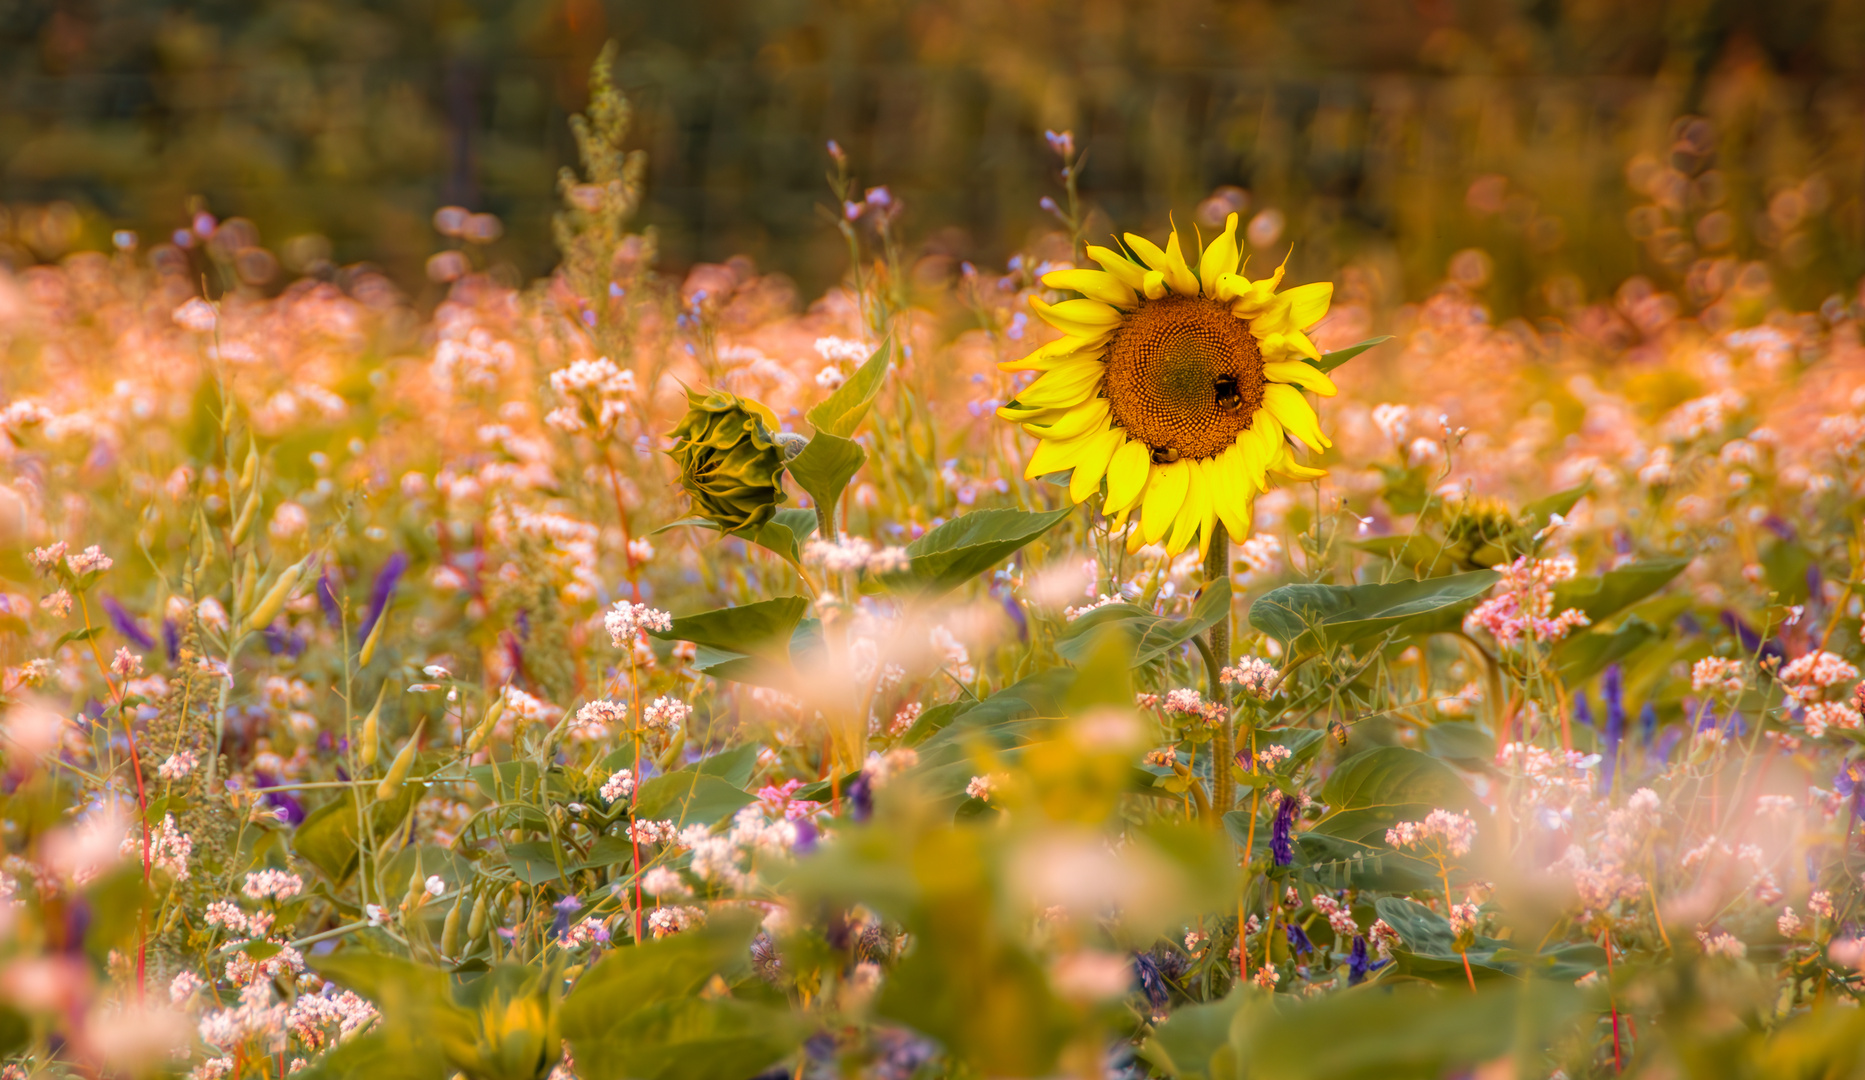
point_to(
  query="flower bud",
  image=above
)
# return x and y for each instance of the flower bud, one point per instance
(731, 460)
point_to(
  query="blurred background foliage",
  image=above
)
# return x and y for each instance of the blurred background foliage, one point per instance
(1388, 133)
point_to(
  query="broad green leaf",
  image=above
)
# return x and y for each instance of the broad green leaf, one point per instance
(1405, 1032)
(690, 1038)
(686, 798)
(1184, 1045)
(1581, 656)
(783, 534)
(1306, 619)
(327, 837)
(825, 466)
(1334, 862)
(965, 547)
(842, 412)
(1542, 510)
(1372, 790)
(534, 862)
(1331, 360)
(1460, 740)
(1607, 594)
(1155, 635)
(760, 630)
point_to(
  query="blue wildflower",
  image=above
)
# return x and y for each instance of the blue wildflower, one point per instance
(126, 624)
(1282, 834)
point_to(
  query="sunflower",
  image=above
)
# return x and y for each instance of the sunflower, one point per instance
(1179, 386)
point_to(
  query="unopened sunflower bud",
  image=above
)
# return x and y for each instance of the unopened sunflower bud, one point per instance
(369, 643)
(476, 923)
(731, 462)
(450, 929)
(274, 599)
(371, 741)
(398, 769)
(484, 730)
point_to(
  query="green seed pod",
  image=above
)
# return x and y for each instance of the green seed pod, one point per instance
(369, 643)
(275, 597)
(730, 460)
(249, 584)
(417, 889)
(484, 730)
(371, 741)
(450, 929)
(476, 924)
(245, 522)
(250, 471)
(398, 769)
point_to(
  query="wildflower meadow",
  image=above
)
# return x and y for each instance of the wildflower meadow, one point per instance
(1162, 652)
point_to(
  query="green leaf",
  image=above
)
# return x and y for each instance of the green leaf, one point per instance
(842, 412)
(1581, 656)
(686, 798)
(1331, 360)
(327, 837)
(1541, 511)
(965, 547)
(1155, 635)
(1307, 619)
(1460, 740)
(825, 467)
(1607, 594)
(534, 862)
(1373, 790)
(1405, 1032)
(76, 635)
(784, 533)
(1335, 862)
(760, 630)
(1184, 1045)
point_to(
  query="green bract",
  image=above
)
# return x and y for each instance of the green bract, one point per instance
(731, 460)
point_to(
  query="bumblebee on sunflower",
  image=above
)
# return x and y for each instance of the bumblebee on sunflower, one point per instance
(1179, 386)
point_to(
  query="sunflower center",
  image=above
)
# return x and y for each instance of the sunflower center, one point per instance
(1184, 376)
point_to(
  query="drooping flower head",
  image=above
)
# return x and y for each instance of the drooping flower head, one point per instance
(731, 460)
(1180, 386)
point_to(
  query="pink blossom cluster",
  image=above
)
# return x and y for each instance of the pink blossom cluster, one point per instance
(652, 832)
(672, 920)
(666, 714)
(1463, 918)
(1251, 674)
(853, 554)
(272, 884)
(1453, 831)
(1338, 915)
(620, 785)
(625, 620)
(1717, 675)
(178, 765)
(1524, 610)
(1383, 938)
(596, 719)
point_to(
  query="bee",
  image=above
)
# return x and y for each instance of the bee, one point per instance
(1229, 395)
(1165, 455)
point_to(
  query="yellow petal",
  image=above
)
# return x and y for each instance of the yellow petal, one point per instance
(1020, 414)
(1070, 384)
(1136, 539)
(1080, 318)
(1219, 258)
(1192, 512)
(1259, 444)
(1284, 346)
(1155, 285)
(1057, 455)
(1123, 269)
(1126, 475)
(1093, 284)
(1230, 491)
(1091, 415)
(1164, 495)
(1292, 410)
(1093, 464)
(1287, 467)
(1308, 303)
(1303, 375)
(1053, 354)
(1170, 262)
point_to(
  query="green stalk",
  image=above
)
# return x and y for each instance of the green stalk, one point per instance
(1216, 569)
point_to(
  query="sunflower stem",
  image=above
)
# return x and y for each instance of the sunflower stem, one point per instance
(1217, 568)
